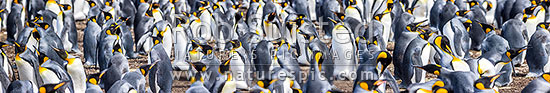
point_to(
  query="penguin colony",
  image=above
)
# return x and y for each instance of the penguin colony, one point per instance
(269, 41)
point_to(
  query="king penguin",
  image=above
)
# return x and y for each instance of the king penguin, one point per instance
(538, 64)
(538, 85)
(417, 53)
(315, 82)
(160, 71)
(90, 41)
(27, 64)
(344, 49)
(69, 34)
(15, 20)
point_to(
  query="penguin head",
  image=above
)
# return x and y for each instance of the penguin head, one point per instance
(204, 5)
(473, 3)
(92, 19)
(182, 21)
(318, 59)
(486, 82)
(300, 20)
(410, 10)
(43, 25)
(122, 19)
(531, 12)
(441, 90)
(239, 15)
(144, 69)
(467, 24)
(437, 84)
(65, 7)
(206, 49)
(283, 4)
(199, 66)
(195, 77)
(42, 58)
(107, 16)
(384, 58)
(195, 46)
(264, 83)
(351, 3)
(271, 17)
(413, 27)
(544, 25)
(91, 3)
(389, 5)
(60, 52)
(216, 6)
(443, 43)
(93, 79)
(462, 13)
(513, 53)
(440, 87)
(113, 29)
(19, 48)
(159, 35)
(16, 2)
(235, 44)
(117, 48)
(109, 2)
(488, 5)
(487, 28)
(225, 67)
(535, 2)
(52, 88)
(370, 85)
(425, 34)
(340, 16)
(378, 17)
(431, 68)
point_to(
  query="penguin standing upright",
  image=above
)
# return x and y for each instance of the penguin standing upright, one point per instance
(69, 36)
(126, 38)
(15, 20)
(537, 46)
(181, 44)
(512, 31)
(532, 16)
(58, 21)
(344, 48)
(160, 72)
(27, 64)
(417, 53)
(106, 41)
(90, 41)
(75, 69)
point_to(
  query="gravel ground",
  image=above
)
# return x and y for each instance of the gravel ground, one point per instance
(181, 83)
